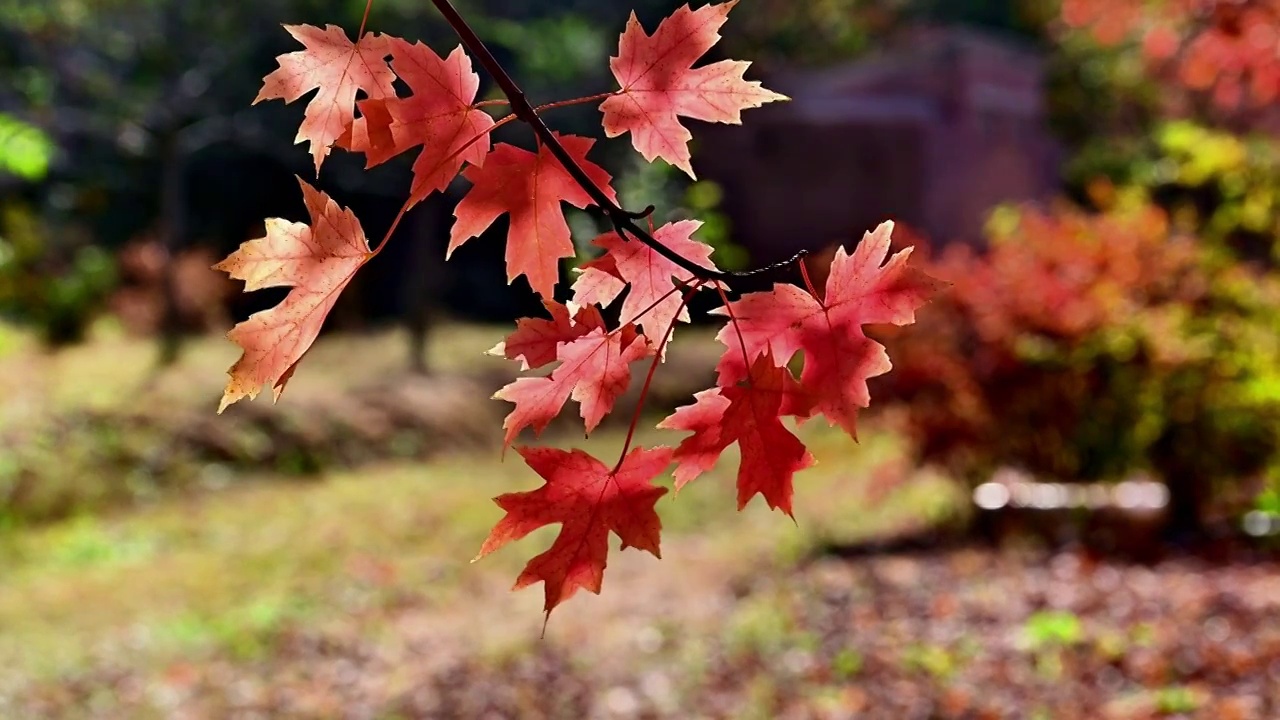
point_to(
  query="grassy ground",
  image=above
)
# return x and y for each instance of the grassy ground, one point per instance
(113, 372)
(353, 597)
(224, 574)
(98, 426)
(225, 568)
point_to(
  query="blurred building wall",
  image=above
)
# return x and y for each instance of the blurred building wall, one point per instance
(933, 131)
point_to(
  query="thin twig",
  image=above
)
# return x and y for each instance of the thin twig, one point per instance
(623, 221)
(733, 322)
(648, 379)
(364, 21)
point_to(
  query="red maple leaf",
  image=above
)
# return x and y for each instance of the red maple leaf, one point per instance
(594, 370)
(838, 357)
(747, 413)
(370, 133)
(439, 116)
(535, 340)
(659, 84)
(588, 500)
(317, 261)
(338, 68)
(648, 274)
(529, 186)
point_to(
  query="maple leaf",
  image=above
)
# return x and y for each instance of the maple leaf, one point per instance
(370, 133)
(589, 500)
(317, 261)
(439, 115)
(594, 370)
(747, 413)
(648, 274)
(659, 84)
(535, 340)
(838, 356)
(335, 67)
(530, 187)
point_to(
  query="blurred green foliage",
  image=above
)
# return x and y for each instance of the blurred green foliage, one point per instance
(1177, 700)
(59, 290)
(1094, 91)
(701, 201)
(25, 150)
(1052, 628)
(554, 49)
(674, 197)
(817, 32)
(1221, 186)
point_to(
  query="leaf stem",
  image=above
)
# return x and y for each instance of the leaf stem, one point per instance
(622, 220)
(575, 101)
(733, 320)
(804, 272)
(551, 105)
(408, 203)
(652, 305)
(653, 366)
(368, 5)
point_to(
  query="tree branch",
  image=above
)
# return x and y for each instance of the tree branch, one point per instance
(623, 220)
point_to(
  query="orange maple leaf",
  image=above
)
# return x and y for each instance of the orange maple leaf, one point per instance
(337, 68)
(317, 261)
(588, 500)
(838, 356)
(650, 276)
(594, 370)
(439, 116)
(659, 84)
(536, 341)
(749, 414)
(529, 186)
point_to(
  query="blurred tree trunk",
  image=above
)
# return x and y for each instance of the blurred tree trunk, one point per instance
(424, 285)
(172, 215)
(1187, 502)
(1178, 460)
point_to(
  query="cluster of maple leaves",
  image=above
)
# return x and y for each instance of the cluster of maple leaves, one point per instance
(591, 362)
(1229, 48)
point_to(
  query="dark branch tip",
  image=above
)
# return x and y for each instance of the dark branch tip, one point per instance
(639, 215)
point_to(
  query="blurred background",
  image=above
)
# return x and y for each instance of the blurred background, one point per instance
(1065, 501)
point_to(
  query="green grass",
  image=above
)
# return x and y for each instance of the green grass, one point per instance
(115, 372)
(226, 571)
(97, 426)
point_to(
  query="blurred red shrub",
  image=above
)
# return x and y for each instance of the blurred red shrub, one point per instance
(1226, 47)
(1081, 346)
